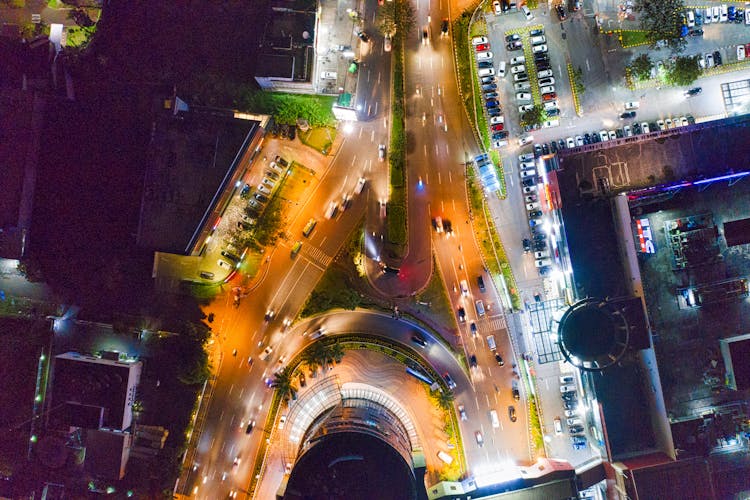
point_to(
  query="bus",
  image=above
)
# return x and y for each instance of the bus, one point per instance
(419, 375)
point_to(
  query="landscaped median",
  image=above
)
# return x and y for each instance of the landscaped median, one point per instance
(396, 217)
(576, 97)
(493, 252)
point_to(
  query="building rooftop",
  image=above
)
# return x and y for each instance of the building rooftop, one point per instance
(190, 159)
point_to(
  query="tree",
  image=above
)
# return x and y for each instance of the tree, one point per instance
(282, 382)
(577, 77)
(386, 21)
(641, 67)
(534, 116)
(662, 19)
(335, 352)
(684, 71)
(315, 356)
(444, 399)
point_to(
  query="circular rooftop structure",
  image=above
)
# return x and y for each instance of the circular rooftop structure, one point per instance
(593, 334)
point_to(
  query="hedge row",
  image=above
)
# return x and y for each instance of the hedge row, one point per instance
(396, 222)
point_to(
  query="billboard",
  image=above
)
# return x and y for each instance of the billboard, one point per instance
(645, 236)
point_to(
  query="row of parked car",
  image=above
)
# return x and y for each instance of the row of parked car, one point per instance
(573, 420)
(545, 76)
(716, 14)
(538, 241)
(486, 72)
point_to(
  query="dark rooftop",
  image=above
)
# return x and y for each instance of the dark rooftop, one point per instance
(190, 158)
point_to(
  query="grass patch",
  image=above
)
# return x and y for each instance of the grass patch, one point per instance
(633, 38)
(536, 427)
(438, 303)
(490, 245)
(79, 36)
(319, 138)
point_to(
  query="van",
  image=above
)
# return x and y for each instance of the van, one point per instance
(501, 69)
(491, 342)
(558, 426)
(538, 40)
(328, 75)
(445, 457)
(480, 308)
(309, 227)
(486, 72)
(494, 419)
(296, 248)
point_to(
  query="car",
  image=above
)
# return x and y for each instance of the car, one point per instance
(527, 156)
(499, 144)
(575, 429)
(512, 413)
(548, 89)
(484, 64)
(637, 128)
(569, 396)
(522, 109)
(514, 37)
(579, 140)
(526, 245)
(684, 121)
(612, 135)
(627, 114)
(550, 96)
(724, 14)
(544, 74)
(646, 129)
(717, 57)
(497, 8)
(523, 96)
(571, 413)
(539, 48)
(709, 61)
(545, 149)
(425, 36)
(419, 340)
(570, 143)
(560, 12)
(462, 412)
(522, 86)
(261, 197)
(662, 126)
(461, 314)
(482, 47)
(499, 359)
(473, 328)
(535, 214)
(479, 438)
(282, 421)
(444, 27)
(715, 14)
(696, 32)
(516, 393)
(532, 206)
(302, 380)
(517, 60)
(449, 381)
(484, 56)
(543, 66)
(381, 152)
(690, 17)
(538, 40)
(546, 81)
(570, 404)
(363, 36)
(498, 127)
(514, 45)
(626, 131)
(574, 421)
(497, 119)
(527, 13)
(536, 32)
(500, 135)
(541, 58)
(619, 133)
(489, 87)
(567, 388)
(693, 92)
(478, 40)
(473, 361)
(518, 69)
(520, 77)
(603, 136)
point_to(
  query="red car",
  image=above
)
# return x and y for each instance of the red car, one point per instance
(497, 127)
(747, 48)
(482, 47)
(549, 97)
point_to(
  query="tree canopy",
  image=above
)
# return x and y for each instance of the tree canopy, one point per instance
(534, 116)
(394, 15)
(662, 20)
(641, 67)
(684, 71)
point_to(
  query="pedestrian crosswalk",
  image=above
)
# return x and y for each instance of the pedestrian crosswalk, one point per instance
(316, 256)
(492, 324)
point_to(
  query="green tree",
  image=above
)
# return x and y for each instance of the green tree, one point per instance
(662, 19)
(641, 67)
(282, 382)
(534, 116)
(335, 352)
(577, 77)
(444, 399)
(684, 71)
(386, 19)
(315, 356)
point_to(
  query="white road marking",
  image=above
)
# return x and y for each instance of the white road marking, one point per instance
(368, 74)
(376, 107)
(425, 149)
(354, 158)
(447, 150)
(440, 181)
(426, 178)
(588, 66)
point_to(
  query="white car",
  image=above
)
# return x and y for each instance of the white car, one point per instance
(546, 89)
(496, 7)
(527, 164)
(532, 206)
(522, 86)
(579, 141)
(523, 96)
(660, 124)
(541, 254)
(484, 56)
(716, 14)
(517, 60)
(546, 81)
(536, 49)
(550, 105)
(645, 128)
(542, 262)
(518, 69)
(331, 211)
(479, 40)
(612, 135)
(567, 388)
(632, 105)
(668, 123)
(709, 60)
(544, 74)
(387, 43)
(527, 13)
(603, 135)
(224, 264)
(684, 122)
(690, 19)
(499, 144)
(627, 131)
(529, 189)
(707, 16)
(570, 142)
(497, 119)
(740, 52)
(526, 156)
(464, 288)
(522, 109)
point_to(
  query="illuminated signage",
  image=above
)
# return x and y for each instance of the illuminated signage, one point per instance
(645, 237)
